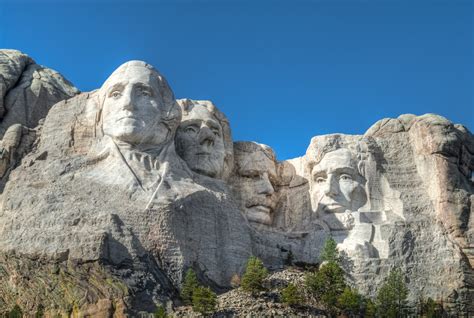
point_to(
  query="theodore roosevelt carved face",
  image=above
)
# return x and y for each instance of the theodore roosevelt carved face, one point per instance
(254, 181)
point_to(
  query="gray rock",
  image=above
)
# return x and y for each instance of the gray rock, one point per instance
(134, 187)
(28, 90)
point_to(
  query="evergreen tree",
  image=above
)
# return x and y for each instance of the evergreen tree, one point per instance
(350, 301)
(431, 309)
(327, 285)
(160, 312)
(255, 273)
(291, 295)
(204, 300)
(189, 285)
(16, 312)
(392, 296)
(370, 310)
(330, 252)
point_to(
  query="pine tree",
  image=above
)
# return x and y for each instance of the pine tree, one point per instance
(291, 295)
(204, 300)
(392, 296)
(255, 273)
(160, 312)
(189, 285)
(431, 309)
(16, 312)
(350, 301)
(330, 252)
(370, 310)
(327, 285)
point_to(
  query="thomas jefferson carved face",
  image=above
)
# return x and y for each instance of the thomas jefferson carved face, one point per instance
(133, 107)
(254, 184)
(199, 141)
(337, 184)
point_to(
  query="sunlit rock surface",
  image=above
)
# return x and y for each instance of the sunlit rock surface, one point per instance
(121, 190)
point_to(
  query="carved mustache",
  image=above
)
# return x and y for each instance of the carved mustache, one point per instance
(267, 202)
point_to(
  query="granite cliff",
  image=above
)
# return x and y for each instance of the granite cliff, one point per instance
(109, 196)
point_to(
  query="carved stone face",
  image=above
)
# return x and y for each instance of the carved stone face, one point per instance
(336, 183)
(255, 186)
(199, 141)
(133, 106)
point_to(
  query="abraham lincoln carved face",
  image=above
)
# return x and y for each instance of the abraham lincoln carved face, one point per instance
(337, 185)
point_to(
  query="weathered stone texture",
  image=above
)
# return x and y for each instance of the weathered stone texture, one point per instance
(122, 189)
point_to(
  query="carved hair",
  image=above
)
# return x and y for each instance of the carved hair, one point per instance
(320, 146)
(243, 147)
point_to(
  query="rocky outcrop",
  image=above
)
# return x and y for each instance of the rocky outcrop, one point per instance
(127, 188)
(27, 92)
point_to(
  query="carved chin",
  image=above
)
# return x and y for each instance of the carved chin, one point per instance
(210, 172)
(206, 166)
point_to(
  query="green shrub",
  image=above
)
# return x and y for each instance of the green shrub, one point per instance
(431, 309)
(327, 285)
(16, 312)
(350, 301)
(204, 300)
(160, 312)
(392, 296)
(330, 252)
(370, 310)
(255, 273)
(291, 295)
(189, 285)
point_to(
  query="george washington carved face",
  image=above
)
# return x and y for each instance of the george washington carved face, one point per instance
(133, 105)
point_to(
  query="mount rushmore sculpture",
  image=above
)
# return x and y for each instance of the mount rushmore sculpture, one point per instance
(119, 191)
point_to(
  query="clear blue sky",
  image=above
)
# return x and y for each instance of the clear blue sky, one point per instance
(282, 71)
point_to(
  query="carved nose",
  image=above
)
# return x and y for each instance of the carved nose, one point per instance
(206, 137)
(331, 186)
(126, 101)
(266, 186)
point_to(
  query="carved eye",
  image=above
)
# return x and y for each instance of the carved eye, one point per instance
(144, 92)
(345, 177)
(320, 180)
(191, 129)
(115, 94)
(251, 174)
(216, 132)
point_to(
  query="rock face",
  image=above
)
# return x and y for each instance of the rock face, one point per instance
(127, 188)
(27, 92)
